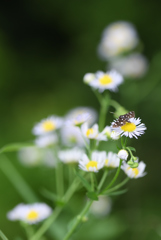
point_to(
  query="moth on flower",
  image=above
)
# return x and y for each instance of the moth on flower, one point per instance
(134, 172)
(48, 125)
(106, 81)
(30, 213)
(93, 132)
(129, 126)
(95, 164)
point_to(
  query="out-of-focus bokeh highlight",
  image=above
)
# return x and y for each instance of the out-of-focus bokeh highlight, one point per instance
(46, 47)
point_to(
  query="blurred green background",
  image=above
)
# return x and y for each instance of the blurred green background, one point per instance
(46, 47)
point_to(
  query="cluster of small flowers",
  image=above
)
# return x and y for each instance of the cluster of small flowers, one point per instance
(117, 39)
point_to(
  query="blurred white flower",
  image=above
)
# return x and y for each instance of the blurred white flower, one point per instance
(34, 156)
(123, 154)
(132, 66)
(106, 81)
(95, 164)
(134, 172)
(93, 132)
(30, 213)
(46, 140)
(102, 207)
(117, 38)
(30, 156)
(49, 159)
(71, 136)
(133, 128)
(70, 155)
(74, 113)
(112, 160)
(79, 119)
(47, 125)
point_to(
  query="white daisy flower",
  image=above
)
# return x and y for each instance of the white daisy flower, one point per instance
(109, 133)
(112, 160)
(93, 132)
(133, 128)
(74, 113)
(79, 119)
(47, 125)
(134, 172)
(123, 154)
(71, 136)
(102, 207)
(49, 158)
(133, 66)
(70, 155)
(109, 80)
(46, 140)
(30, 156)
(95, 164)
(88, 77)
(117, 38)
(30, 213)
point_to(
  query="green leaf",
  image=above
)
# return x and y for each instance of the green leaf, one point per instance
(92, 195)
(3, 236)
(84, 181)
(117, 193)
(131, 148)
(15, 147)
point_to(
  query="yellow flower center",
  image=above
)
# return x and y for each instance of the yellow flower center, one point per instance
(48, 126)
(72, 139)
(135, 171)
(106, 162)
(91, 164)
(128, 127)
(32, 215)
(89, 131)
(105, 80)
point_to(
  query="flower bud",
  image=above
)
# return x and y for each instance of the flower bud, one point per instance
(123, 154)
(88, 77)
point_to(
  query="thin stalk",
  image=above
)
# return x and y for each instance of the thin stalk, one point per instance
(46, 224)
(3, 236)
(92, 181)
(115, 177)
(102, 119)
(56, 212)
(59, 179)
(102, 180)
(116, 187)
(17, 180)
(78, 220)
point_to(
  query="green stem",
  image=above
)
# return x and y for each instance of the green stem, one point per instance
(102, 119)
(115, 104)
(92, 181)
(3, 236)
(116, 187)
(78, 220)
(56, 212)
(102, 180)
(28, 229)
(17, 180)
(115, 177)
(59, 179)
